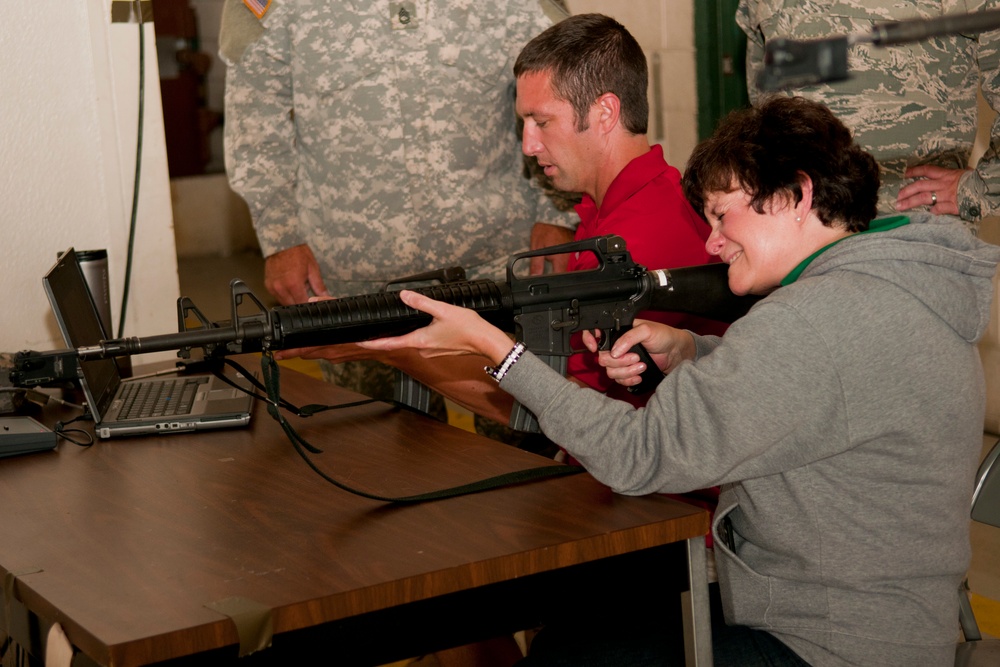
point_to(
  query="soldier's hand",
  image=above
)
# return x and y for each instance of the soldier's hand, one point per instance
(544, 235)
(292, 275)
(935, 187)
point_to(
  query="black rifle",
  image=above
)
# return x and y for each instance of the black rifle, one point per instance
(542, 312)
(790, 63)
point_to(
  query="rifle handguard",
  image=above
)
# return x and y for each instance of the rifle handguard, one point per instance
(382, 314)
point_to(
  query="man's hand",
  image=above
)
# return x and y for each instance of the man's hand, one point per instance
(290, 274)
(667, 346)
(544, 235)
(453, 330)
(935, 187)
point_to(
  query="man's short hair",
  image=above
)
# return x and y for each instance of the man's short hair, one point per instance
(588, 55)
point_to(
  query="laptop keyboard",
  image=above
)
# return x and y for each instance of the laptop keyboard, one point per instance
(159, 399)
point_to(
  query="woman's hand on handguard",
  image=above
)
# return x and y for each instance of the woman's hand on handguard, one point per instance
(667, 346)
(336, 354)
(454, 330)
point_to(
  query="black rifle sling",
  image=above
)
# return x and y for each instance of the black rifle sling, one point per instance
(271, 374)
(305, 411)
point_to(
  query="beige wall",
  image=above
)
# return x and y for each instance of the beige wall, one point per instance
(210, 219)
(989, 347)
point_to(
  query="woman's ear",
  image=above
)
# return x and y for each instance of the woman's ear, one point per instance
(804, 205)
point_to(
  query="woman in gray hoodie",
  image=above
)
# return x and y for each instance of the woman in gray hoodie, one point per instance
(842, 416)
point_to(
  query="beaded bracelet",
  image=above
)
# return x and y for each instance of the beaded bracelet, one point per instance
(498, 372)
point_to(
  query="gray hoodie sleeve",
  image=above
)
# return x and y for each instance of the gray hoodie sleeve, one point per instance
(740, 411)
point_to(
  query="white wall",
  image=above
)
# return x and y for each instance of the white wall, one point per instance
(68, 104)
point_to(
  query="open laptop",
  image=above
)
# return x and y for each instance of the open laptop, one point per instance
(171, 404)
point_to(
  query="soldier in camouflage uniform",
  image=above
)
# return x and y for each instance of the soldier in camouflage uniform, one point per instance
(374, 140)
(913, 106)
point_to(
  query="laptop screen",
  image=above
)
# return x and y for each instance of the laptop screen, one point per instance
(80, 324)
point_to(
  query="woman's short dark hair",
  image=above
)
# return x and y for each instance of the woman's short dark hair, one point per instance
(588, 55)
(765, 150)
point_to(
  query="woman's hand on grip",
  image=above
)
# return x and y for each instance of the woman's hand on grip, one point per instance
(667, 346)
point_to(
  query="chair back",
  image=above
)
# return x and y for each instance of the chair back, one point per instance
(986, 496)
(985, 509)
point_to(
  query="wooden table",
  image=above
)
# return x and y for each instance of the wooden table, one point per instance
(144, 549)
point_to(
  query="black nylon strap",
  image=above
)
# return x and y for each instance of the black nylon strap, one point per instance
(271, 374)
(304, 411)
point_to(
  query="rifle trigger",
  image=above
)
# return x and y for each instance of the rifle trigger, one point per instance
(606, 340)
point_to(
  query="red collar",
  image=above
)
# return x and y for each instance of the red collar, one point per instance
(635, 176)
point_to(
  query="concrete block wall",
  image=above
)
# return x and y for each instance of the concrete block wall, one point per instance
(665, 30)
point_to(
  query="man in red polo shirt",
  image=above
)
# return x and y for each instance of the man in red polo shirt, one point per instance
(581, 92)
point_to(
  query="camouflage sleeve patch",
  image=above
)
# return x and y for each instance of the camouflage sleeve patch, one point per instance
(240, 28)
(258, 7)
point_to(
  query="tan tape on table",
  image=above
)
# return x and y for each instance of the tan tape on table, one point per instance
(252, 619)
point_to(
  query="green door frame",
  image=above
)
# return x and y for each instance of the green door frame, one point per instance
(720, 62)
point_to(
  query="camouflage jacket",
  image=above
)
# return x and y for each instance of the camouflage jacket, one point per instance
(908, 104)
(382, 133)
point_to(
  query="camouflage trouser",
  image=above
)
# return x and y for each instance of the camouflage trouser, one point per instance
(378, 380)
(532, 442)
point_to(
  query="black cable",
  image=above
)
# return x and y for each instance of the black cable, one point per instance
(304, 411)
(138, 167)
(61, 431)
(41, 398)
(271, 373)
